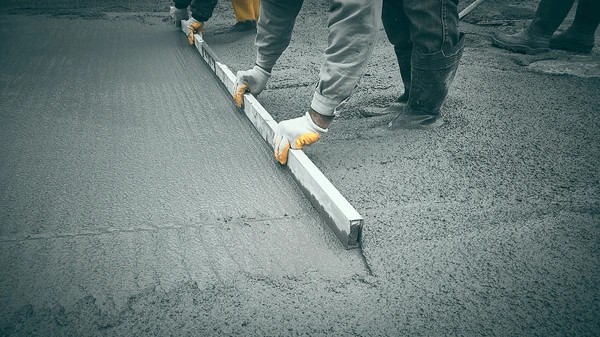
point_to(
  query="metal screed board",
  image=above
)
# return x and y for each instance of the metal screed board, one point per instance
(343, 219)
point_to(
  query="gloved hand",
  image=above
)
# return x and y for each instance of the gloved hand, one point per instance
(295, 133)
(253, 80)
(178, 14)
(193, 26)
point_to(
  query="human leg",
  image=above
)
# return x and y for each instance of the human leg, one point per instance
(353, 26)
(396, 28)
(580, 36)
(437, 50)
(536, 38)
(274, 30)
(245, 15)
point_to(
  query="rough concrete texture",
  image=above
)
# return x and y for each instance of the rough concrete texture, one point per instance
(488, 226)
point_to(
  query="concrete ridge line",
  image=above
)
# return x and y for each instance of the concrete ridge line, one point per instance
(239, 222)
(339, 214)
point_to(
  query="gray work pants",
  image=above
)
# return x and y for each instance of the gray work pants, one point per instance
(353, 26)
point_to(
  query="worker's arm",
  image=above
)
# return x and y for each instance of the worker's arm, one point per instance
(179, 11)
(353, 25)
(297, 132)
(181, 4)
(273, 34)
(202, 10)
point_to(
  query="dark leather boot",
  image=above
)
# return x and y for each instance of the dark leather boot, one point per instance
(573, 41)
(431, 77)
(528, 41)
(579, 37)
(536, 38)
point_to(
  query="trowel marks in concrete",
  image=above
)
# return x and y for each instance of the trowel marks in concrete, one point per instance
(125, 166)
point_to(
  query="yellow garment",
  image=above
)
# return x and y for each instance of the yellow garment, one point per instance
(246, 9)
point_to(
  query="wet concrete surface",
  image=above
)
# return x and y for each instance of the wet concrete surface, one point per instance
(126, 167)
(488, 226)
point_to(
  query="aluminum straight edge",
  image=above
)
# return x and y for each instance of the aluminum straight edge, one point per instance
(339, 214)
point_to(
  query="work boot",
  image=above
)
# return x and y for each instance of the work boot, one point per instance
(243, 26)
(579, 37)
(431, 77)
(573, 41)
(403, 57)
(536, 38)
(528, 41)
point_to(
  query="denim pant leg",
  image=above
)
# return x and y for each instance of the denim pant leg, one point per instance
(433, 24)
(396, 26)
(587, 16)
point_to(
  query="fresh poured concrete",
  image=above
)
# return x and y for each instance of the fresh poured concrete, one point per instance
(126, 167)
(488, 226)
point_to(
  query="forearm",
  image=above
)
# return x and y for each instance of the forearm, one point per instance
(181, 3)
(202, 10)
(322, 121)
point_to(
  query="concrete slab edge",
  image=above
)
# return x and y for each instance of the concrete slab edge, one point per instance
(339, 214)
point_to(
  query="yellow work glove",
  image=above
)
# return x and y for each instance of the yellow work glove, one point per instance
(193, 26)
(295, 133)
(253, 80)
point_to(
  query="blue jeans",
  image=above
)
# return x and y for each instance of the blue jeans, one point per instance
(427, 25)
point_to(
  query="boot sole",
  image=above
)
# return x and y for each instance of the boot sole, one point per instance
(518, 48)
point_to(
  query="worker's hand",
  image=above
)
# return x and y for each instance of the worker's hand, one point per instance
(295, 133)
(179, 14)
(253, 80)
(193, 26)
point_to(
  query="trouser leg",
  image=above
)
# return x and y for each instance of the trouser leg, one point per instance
(433, 24)
(353, 26)
(549, 15)
(243, 10)
(274, 30)
(579, 37)
(256, 4)
(437, 50)
(587, 17)
(397, 29)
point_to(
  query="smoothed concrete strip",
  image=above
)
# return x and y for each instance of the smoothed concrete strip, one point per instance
(340, 215)
(580, 66)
